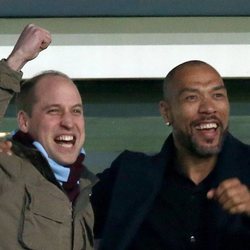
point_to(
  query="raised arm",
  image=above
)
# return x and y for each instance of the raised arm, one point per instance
(30, 43)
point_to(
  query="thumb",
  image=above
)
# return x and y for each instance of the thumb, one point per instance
(5, 147)
(211, 193)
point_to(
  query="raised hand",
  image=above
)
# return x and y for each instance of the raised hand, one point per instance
(30, 43)
(233, 196)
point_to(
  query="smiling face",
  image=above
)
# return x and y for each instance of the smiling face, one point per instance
(56, 120)
(197, 107)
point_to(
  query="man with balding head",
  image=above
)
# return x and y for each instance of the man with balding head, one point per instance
(194, 194)
(44, 187)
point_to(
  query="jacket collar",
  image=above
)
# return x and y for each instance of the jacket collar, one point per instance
(87, 179)
(232, 160)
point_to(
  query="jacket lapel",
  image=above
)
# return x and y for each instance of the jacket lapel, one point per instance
(137, 184)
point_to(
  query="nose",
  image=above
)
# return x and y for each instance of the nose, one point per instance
(207, 106)
(67, 120)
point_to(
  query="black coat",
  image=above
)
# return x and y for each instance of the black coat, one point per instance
(126, 190)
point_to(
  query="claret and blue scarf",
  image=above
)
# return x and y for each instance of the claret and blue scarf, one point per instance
(67, 176)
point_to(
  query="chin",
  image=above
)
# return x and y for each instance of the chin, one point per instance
(66, 162)
(205, 151)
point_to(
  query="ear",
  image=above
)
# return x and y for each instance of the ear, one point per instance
(23, 121)
(165, 111)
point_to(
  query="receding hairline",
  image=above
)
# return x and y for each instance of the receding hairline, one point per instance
(50, 74)
(172, 73)
(27, 96)
(52, 77)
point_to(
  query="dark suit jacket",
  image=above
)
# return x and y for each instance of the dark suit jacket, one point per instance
(126, 190)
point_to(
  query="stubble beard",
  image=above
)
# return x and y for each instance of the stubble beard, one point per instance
(191, 144)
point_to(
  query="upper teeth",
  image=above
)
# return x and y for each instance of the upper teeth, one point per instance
(208, 126)
(65, 138)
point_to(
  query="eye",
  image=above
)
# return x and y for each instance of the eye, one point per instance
(219, 95)
(77, 111)
(53, 111)
(191, 98)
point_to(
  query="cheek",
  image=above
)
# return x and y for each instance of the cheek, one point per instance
(182, 119)
(82, 132)
(185, 114)
(43, 130)
(81, 125)
(224, 111)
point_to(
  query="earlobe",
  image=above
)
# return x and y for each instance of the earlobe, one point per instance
(23, 121)
(164, 110)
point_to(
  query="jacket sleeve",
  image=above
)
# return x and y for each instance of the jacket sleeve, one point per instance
(102, 194)
(9, 85)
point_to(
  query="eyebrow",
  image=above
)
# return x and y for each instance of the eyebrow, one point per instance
(78, 105)
(196, 90)
(59, 106)
(220, 87)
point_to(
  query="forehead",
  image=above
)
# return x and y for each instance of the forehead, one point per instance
(55, 89)
(199, 76)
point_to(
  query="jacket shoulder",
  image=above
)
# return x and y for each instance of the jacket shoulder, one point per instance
(127, 161)
(103, 191)
(238, 146)
(14, 166)
(128, 155)
(10, 165)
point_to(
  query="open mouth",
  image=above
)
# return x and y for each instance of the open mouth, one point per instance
(66, 141)
(207, 126)
(208, 130)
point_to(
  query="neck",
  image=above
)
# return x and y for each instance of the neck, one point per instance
(194, 167)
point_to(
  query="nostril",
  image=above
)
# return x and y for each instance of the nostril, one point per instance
(207, 107)
(67, 123)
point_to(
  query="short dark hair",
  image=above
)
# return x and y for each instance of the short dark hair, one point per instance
(170, 76)
(27, 98)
